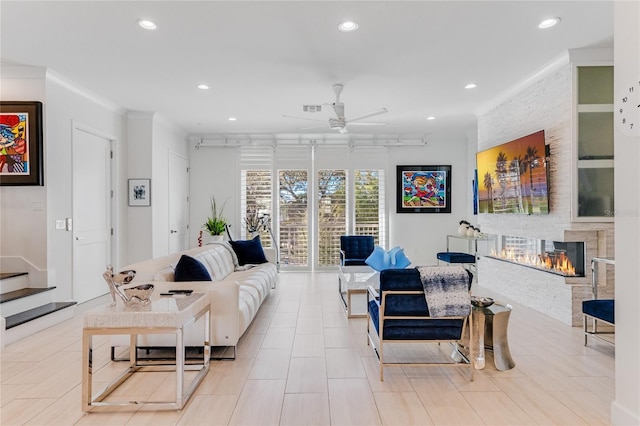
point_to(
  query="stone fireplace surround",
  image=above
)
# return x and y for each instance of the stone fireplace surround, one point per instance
(544, 102)
(557, 296)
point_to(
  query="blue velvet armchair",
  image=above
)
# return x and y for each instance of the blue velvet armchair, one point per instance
(598, 310)
(399, 313)
(354, 249)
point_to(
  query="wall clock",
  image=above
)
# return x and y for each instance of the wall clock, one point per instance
(627, 109)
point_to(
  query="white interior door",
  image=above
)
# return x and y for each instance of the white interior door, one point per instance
(91, 214)
(178, 202)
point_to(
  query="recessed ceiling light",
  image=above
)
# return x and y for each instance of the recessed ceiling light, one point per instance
(348, 26)
(471, 86)
(232, 119)
(147, 24)
(548, 23)
(203, 87)
(431, 117)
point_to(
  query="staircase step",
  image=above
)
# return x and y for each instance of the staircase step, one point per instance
(6, 275)
(23, 292)
(12, 281)
(31, 314)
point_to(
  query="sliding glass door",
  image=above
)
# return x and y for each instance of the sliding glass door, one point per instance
(312, 205)
(293, 223)
(332, 214)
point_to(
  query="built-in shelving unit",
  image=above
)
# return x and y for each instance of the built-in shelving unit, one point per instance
(593, 141)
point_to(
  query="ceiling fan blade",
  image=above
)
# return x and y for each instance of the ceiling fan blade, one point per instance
(367, 115)
(304, 118)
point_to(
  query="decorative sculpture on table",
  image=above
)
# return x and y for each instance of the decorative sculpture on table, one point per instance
(133, 295)
(257, 222)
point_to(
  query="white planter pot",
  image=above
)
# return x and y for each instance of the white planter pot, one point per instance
(214, 238)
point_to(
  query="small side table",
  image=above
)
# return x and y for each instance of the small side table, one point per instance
(494, 320)
(355, 280)
(163, 315)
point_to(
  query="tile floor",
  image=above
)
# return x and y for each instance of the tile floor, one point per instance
(303, 363)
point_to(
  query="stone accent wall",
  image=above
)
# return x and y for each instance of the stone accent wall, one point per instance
(545, 105)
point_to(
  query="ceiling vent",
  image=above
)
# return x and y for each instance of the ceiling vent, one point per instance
(311, 108)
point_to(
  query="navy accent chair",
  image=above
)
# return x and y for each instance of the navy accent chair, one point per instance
(399, 314)
(354, 249)
(597, 310)
(456, 257)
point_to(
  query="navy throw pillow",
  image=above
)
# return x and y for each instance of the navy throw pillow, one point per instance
(249, 251)
(190, 269)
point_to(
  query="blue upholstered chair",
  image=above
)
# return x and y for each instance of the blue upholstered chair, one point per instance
(399, 313)
(597, 310)
(354, 249)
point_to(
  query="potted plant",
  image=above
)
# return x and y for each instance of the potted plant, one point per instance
(215, 224)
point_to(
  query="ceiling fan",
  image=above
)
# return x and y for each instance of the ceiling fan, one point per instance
(340, 123)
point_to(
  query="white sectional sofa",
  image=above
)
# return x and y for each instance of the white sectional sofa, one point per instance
(236, 293)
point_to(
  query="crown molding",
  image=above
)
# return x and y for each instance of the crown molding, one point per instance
(59, 79)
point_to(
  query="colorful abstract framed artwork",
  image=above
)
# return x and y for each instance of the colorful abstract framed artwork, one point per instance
(423, 189)
(21, 143)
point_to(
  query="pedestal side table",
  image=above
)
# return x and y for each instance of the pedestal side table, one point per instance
(163, 315)
(494, 320)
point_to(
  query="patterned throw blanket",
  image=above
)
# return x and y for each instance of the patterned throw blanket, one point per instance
(446, 290)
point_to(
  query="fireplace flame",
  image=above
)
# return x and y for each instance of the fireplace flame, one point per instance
(557, 262)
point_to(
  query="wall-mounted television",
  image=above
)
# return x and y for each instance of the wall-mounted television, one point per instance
(513, 178)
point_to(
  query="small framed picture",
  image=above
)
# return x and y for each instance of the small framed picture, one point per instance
(139, 192)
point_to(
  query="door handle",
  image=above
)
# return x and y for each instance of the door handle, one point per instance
(173, 231)
(79, 238)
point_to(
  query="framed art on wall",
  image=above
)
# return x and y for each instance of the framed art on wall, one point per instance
(423, 189)
(21, 143)
(139, 192)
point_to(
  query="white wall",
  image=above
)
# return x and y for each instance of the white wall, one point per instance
(23, 209)
(625, 410)
(139, 166)
(214, 172)
(151, 138)
(66, 104)
(38, 241)
(166, 137)
(422, 235)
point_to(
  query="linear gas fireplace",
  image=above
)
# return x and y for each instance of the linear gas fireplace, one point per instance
(566, 259)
